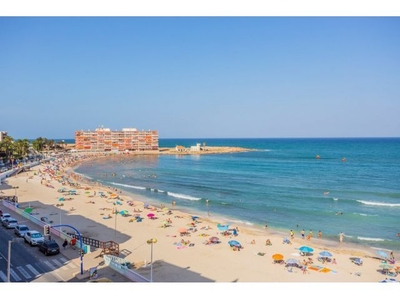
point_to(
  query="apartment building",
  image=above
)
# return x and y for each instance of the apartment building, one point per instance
(3, 134)
(128, 139)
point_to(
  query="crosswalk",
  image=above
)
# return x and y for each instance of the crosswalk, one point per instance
(29, 272)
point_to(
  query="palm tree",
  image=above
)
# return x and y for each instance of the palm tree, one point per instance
(39, 143)
(21, 148)
(7, 146)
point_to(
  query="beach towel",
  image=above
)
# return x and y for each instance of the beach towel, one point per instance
(315, 268)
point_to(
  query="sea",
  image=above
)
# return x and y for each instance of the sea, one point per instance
(332, 185)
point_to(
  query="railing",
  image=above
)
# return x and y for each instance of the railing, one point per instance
(123, 267)
(54, 231)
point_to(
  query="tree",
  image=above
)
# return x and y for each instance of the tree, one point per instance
(7, 146)
(21, 148)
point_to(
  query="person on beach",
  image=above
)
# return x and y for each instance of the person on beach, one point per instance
(319, 234)
(392, 256)
(291, 234)
(341, 237)
(302, 234)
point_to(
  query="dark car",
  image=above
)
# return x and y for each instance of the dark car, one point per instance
(49, 247)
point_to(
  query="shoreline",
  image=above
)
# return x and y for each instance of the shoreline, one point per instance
(217, 255)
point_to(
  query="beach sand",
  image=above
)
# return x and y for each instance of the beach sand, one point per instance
(175, 261)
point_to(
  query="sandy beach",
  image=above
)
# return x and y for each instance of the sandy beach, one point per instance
(187, 257)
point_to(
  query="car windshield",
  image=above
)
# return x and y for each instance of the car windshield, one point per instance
(36, 235)
(23, 228)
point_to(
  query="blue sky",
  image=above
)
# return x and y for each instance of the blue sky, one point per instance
(201, 76)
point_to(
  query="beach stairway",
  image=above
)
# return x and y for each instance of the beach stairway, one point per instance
(110, 247)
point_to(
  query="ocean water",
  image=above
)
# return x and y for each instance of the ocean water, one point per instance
(280, 182)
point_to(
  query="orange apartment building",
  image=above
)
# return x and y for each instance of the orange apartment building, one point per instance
(128, 139)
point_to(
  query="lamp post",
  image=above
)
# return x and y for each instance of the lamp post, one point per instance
(9, 259)
(151, 242)
(115, 228)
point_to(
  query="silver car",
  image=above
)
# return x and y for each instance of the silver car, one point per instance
(33, 237)
(20, 230)
(10, 223)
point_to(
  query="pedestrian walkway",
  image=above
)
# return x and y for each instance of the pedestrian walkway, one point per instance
(29, 272)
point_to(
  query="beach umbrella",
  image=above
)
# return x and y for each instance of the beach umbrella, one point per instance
(234, 243)
(277, 256)
(214, 239)
(194, 218)
(123, 212)
(87, 192)
(28, 210)
(383, 254)
(306, 249)
(292, 262)
(385, 266)
(150, 215)
(61, 199)
(223, 227)
(182, 230)
(325, 254)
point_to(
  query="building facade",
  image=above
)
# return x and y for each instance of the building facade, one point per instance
(128, 139)
(3, 134)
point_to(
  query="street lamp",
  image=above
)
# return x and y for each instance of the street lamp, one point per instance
(115, 228)
(151, 242)
(9, 259)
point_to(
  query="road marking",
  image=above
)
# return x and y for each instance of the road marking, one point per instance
(23, 272)
(3, 276)
(33, 270)
(55, 261)
(49, 265)
(15, 275)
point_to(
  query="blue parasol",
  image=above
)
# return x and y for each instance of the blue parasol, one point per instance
(222, 227)
(306, 249)
(234, 243)
(325, 254)
(382, 253)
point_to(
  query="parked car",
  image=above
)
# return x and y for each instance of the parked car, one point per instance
(20, 230)
(10, 223)
(33, 237)
(49, 247)
(4, 217)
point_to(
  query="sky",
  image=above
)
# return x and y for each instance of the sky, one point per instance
(201, 76)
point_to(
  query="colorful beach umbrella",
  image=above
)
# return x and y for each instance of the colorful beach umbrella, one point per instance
(28, 210)
(292, 262)
(150, 215)
(223, 227)
(325, 254)
(234, 243)
(382, 254)
(277, 256)
(214, 239)
(306, 249)
(182, 230)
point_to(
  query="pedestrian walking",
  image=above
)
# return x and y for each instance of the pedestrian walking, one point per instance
(341, 237)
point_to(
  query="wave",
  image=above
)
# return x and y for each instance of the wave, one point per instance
(370, 239)
(378, 203)
(129, 186)
(365, 215)
(183, 196)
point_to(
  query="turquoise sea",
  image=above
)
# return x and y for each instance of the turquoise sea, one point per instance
(281, 183)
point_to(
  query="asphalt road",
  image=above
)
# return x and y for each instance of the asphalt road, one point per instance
(28, 264)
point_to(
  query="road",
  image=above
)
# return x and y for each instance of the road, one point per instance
(28, 264)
